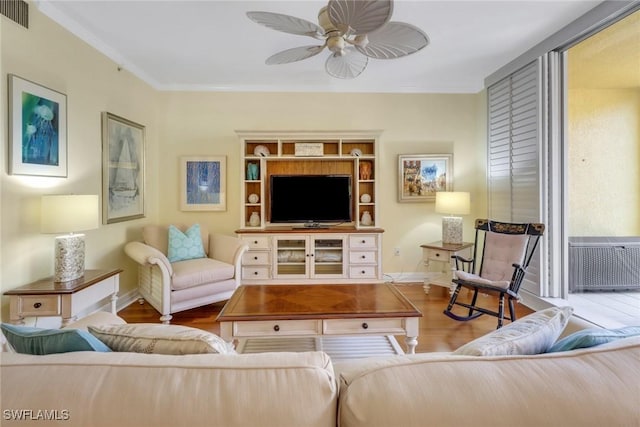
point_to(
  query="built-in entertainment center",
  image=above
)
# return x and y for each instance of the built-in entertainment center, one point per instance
(309, 209)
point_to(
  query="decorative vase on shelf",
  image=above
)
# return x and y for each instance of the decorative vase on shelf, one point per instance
(365, 198)
(254, 219)
(366, 218)
(252, 171)
(254, 198)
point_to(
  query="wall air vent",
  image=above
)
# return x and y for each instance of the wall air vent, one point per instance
(16, 10)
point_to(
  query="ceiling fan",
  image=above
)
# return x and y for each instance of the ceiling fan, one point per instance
(352, 30)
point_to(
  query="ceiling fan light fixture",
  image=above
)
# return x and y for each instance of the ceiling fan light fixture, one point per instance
(336, 44)
(352, 30)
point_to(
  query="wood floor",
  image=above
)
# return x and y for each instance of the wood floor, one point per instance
(437, 331)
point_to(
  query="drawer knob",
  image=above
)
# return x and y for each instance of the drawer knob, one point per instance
(365, 325)
(255, 273)
(363, 242)
(255, 257)
(255, 242)
(276, 328)
(437, 254)
(37, 305)
(363, 257)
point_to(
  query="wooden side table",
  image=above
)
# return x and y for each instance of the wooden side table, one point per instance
(442, 253)
(66, 299)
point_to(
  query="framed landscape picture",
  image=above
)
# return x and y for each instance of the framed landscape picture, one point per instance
(203, 183)
(420, 176)
(37, 129)
(123, 148)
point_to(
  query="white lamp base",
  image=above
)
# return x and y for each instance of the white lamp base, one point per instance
(69, 258)
(452, 230)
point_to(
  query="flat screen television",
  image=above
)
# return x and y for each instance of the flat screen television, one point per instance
(310, 199)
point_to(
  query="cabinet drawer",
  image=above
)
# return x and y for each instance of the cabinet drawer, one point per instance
(363, 241)
(39, 305)
(438, 255)
(361, 326)
(362, 272)
(363, 257)
(256, 242)
(255, 273)
(277, 327)
(255, 258)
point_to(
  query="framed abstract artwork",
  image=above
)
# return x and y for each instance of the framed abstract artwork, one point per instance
(420, 176)
(37, 129)
(123, 149)
(203, 183)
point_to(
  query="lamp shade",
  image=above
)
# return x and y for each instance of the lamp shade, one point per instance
(69, 213)
(453, 202)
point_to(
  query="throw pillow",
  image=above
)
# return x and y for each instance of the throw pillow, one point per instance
(187, 245)
(532, 334)
(160, 339)
(593, 337)
(38, 341)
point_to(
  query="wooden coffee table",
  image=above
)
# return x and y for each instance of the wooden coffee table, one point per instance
(269, 311)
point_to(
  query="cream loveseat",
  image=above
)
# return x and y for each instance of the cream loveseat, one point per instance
(175, 286)
(598, 386)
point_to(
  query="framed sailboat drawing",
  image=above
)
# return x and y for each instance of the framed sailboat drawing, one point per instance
(122, 169)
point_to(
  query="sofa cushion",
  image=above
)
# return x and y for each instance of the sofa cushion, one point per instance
(135, 389)
(183, 246)
(593, 337)
(38, 341)
(531, 334)
(194, 272)
(159, 339)
(596, 386)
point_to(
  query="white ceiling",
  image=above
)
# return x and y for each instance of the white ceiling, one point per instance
(213, 46)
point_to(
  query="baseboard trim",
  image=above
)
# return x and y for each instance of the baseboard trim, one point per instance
(409, 277)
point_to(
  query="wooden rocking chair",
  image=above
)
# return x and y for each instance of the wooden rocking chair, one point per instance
(507, 249)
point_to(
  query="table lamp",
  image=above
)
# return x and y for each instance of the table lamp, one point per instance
(69, 214)
(452, 203)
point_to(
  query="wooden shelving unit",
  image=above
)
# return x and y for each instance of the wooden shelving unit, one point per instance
(346, 153)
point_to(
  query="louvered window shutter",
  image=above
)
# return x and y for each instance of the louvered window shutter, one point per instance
(515, 134)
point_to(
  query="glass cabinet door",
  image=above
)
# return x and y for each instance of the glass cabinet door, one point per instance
(328, 257)
(291, 257)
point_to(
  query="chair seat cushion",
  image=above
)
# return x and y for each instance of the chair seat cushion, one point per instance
(474, 278)
(195, 272)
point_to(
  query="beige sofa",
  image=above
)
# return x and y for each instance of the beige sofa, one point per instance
(588, 387)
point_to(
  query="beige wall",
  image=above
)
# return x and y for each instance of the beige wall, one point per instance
(52, 57)
(205, 124)
(190, 123)
(604, 162)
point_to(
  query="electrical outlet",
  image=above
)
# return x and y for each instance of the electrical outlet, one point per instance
(396, 251)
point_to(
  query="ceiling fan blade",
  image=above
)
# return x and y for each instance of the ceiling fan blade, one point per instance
(394, 40)
(293, 55)
(287, 24)
(359, 16)
(347, 66)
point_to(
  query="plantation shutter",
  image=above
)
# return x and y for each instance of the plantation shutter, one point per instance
(515, 138)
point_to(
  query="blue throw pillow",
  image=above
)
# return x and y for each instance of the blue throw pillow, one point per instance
(593, 337)
(183, 246)
(38, 341)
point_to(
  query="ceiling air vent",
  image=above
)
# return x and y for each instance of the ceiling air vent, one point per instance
(16, 10)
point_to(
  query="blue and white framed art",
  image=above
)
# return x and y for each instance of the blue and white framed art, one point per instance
(37, 129)
(203, 183)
